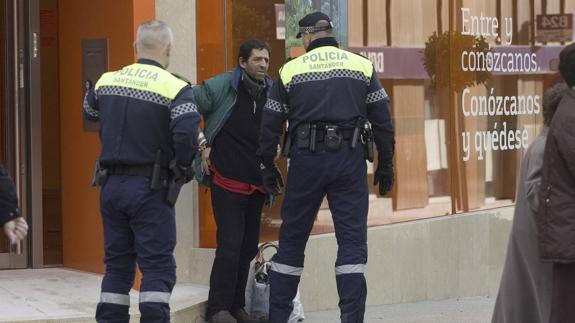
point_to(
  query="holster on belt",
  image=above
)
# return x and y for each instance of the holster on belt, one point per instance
(367, 138)
(177, 180)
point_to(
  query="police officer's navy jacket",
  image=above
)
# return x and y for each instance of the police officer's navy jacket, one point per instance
(8, 198)
(143, 108)
(329, 85)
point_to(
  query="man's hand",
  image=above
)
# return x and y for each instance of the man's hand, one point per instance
(272, 179)
(206, 160)
(384, 177)
(16, 230)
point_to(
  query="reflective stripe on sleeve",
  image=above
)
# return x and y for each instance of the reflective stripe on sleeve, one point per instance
(89, 110)
(376, 96)
(182, 109)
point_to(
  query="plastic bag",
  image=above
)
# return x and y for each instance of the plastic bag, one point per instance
(258, 290)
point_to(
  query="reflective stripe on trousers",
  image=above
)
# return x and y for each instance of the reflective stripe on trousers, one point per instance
(155, 297)
(350, 269)
(286, 269)
(115, 298)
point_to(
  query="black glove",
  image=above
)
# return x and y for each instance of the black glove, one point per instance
(182, 172)
(384, 177)
(188, 172)
(272, 179)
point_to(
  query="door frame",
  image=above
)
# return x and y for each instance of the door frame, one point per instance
(22, 134)
(33, 130)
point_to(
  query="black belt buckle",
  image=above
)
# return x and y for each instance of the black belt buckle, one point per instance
(332, 139)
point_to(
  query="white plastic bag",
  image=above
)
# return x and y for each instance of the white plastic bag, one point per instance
(297, 314)
(258, 290)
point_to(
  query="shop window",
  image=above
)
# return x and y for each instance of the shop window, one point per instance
(466, 81)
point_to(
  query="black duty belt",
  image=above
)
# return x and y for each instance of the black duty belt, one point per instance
(135, 170)
(303, 132)
(346, 134)
(309, 134)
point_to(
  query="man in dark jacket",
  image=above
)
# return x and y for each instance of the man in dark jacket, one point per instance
(15, 227)
(231, 105)
(556, 217)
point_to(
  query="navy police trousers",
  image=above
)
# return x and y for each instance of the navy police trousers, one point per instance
(342, 176)
(139, 226)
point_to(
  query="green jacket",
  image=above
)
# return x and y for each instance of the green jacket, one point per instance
(215, 99)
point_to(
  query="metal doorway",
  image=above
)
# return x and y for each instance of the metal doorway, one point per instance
(19, 116)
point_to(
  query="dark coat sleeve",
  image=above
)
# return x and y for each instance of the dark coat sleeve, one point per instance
(379, 114)
(184, 124)
(274, 116)
(8, 198)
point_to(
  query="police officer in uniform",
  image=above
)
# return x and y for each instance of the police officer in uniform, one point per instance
(331, 98)
(148, 130)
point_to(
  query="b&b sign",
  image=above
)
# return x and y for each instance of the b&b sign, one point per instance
(554, 28)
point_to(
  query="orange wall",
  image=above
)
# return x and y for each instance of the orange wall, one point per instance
(117, 21)
(210, 61)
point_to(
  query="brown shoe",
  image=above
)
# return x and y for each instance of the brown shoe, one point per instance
(222, 317)
(242, 316)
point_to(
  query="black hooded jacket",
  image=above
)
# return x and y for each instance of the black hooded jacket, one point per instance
(8, 198)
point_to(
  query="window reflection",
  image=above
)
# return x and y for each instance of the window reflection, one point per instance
(446, 160)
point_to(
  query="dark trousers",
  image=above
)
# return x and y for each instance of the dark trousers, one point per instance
(563, 295)
(238, 220)
(342, 176)
(138, 226)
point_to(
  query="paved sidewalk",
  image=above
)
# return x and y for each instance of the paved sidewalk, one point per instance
(466, 310)
(59, 295)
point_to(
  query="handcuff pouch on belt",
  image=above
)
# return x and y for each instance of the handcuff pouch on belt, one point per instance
(302, 134)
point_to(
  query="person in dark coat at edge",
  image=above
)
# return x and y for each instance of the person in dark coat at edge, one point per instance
(525, 288)
(14, 225)
(556, 216)
(231, 104)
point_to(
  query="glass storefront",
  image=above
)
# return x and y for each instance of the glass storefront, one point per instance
(466, 80)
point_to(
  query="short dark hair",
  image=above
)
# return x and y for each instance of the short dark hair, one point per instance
(567, 64)
(248, 45)
(551, 100)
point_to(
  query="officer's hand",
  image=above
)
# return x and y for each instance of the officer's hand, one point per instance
(272, 179)
(16, 230)
(188, 173)
(384, 177)
(181, 172)
(206, 160)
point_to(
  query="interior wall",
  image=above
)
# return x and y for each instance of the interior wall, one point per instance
(82, 19)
